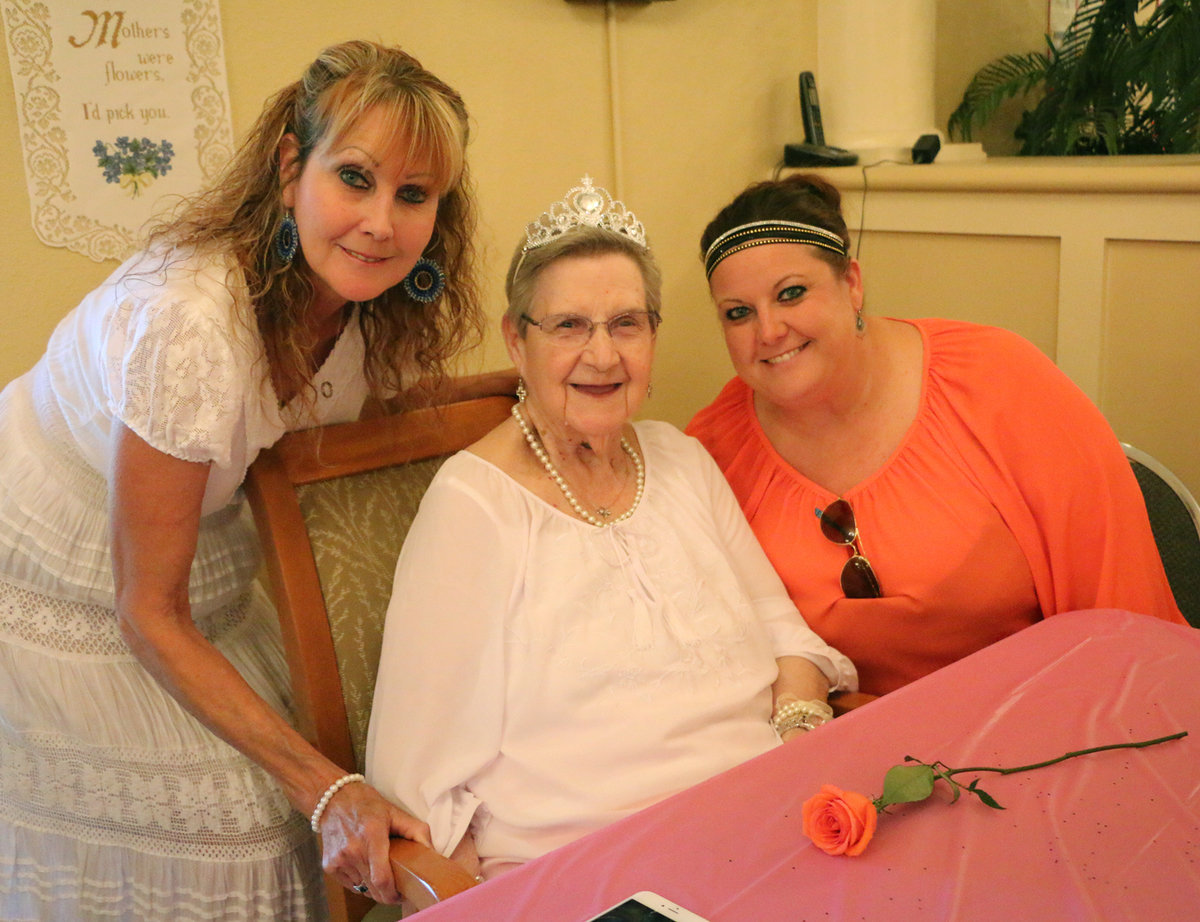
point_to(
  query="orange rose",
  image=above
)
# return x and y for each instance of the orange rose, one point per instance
(839, 822)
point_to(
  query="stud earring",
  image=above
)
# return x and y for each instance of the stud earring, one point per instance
(287, 239)
(521, 390)
(426, 281)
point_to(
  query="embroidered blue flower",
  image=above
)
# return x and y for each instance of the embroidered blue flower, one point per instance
(134, 162)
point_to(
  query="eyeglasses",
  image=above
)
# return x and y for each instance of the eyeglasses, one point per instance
(837, 524)
(575, 330)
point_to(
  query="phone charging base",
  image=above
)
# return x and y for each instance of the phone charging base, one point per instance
(817, 155)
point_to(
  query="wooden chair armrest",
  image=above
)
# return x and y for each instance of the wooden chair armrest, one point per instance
(845, 702)
(425, 877)
(502, 383)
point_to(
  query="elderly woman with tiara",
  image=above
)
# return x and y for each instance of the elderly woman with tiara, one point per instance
(924, 488)
(147, 766)
(582, 622)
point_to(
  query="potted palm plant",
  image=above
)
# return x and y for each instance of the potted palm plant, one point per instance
(1124, 79)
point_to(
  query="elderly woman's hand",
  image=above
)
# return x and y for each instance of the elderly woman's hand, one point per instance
(355, 831)
(800, 694)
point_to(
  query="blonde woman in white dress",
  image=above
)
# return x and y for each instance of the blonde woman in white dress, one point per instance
(147, 766)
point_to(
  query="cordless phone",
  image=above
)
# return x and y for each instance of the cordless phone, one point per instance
(810, 110)
(814, 151)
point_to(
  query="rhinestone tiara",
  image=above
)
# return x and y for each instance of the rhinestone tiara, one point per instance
(584, 205)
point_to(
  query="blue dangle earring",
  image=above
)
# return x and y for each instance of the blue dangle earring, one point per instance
(426, 281)
(287, 239)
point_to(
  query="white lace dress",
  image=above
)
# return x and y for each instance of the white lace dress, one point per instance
(114, 802)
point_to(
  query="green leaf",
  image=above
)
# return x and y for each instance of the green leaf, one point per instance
(1125, 78)
(906, 784)
(1004, 78)
(983, 795)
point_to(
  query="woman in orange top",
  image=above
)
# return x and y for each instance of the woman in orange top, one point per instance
(924, 488)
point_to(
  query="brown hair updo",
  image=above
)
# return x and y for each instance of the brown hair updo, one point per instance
(804, 197)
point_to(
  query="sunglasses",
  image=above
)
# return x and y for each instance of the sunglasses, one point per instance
(837, 524)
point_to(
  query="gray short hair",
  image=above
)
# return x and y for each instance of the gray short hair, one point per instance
(582, 241)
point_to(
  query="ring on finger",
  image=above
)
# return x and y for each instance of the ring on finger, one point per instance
(360, 888)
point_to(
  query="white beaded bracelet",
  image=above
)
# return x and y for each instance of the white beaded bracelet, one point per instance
(315, 822)
(801, 715)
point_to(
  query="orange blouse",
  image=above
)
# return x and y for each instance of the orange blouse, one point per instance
(1009, 499)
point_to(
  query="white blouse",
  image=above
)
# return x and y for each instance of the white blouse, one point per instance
(541, 677)
(168, 347)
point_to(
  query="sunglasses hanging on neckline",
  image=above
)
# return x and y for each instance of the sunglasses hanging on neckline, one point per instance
(838, 525)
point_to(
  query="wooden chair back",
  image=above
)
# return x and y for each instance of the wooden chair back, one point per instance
(333, 505)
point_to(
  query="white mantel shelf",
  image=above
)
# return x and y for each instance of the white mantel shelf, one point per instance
(1133, 175)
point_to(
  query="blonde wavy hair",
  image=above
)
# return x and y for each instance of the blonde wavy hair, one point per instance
(241, 213)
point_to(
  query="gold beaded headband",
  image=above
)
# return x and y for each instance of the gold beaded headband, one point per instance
(757, 233)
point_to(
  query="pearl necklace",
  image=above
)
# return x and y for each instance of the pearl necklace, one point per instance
(536, 447)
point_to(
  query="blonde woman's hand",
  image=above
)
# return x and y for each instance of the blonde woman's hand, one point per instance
(355, 831)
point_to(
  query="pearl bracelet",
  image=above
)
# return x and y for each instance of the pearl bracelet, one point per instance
(315, 822)
(801, 715)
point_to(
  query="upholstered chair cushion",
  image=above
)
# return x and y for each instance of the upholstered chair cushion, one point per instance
(357, 525)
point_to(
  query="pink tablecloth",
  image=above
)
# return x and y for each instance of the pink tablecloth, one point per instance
(1114, 835)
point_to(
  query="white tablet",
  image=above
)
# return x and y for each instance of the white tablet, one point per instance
(647, 907)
